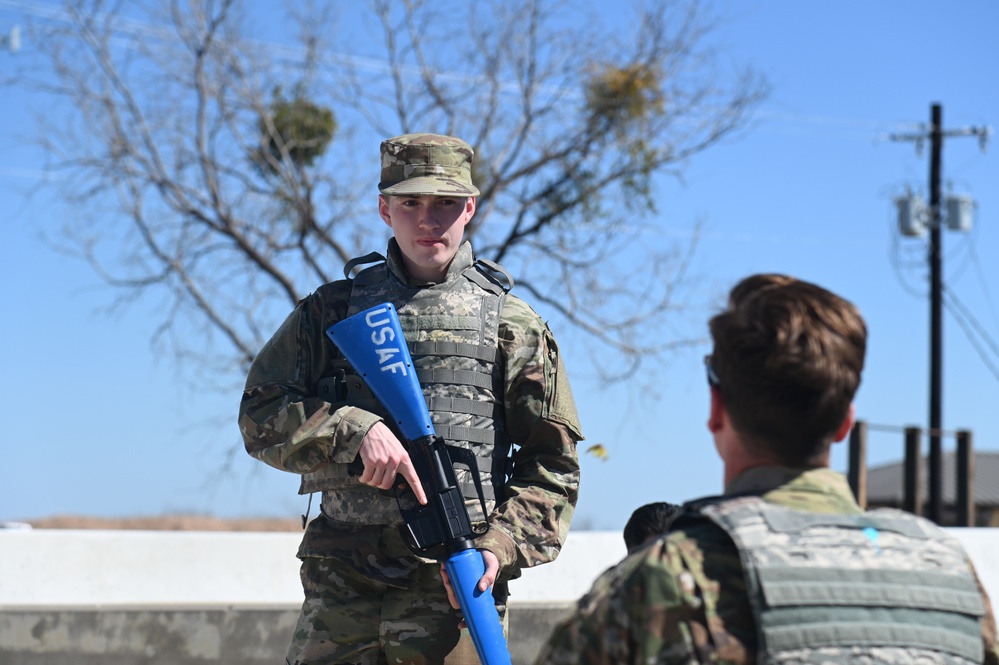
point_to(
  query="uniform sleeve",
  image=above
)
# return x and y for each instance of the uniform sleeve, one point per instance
(281, 420)
(633, 614)
(597, 631)
(530, 526)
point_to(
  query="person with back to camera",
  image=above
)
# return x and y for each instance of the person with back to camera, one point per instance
(495, 384)
(647, 523)
(785, 567)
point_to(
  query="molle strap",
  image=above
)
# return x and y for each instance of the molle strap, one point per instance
(488, 489)
(915, 589)
(452, 349)
(454, 377)
(345, 389)
(792, 522)
(464, 406)
(372, 257)
(871, 634)
(410, 323)
(470, 434)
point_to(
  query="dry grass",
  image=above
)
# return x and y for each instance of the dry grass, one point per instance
(167, 523)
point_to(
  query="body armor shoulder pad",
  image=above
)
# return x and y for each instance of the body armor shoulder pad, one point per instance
(491, 276)
(371, 257)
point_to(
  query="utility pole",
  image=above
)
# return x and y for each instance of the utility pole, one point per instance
(936, 135)
(936, 319)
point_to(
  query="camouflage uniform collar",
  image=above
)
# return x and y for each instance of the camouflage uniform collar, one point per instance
(763, 479)
(463, 259)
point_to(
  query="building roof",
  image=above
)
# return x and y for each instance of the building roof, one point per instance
(885, 483)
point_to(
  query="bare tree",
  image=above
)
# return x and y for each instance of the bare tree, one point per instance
(230, 175)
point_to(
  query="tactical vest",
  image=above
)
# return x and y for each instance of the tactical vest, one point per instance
(881, 586)
(452, 331)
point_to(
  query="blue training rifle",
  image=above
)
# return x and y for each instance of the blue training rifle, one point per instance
(372, 341)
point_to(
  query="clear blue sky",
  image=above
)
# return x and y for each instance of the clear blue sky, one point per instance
(96, 425)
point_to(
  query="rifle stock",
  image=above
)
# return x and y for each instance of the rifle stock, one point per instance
(372, 341)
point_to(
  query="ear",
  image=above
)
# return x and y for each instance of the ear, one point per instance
(846, 425)
(716, 418)
(383, 210)
(469, 208)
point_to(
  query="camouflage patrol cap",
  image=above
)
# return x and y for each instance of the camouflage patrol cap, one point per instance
(427, 164)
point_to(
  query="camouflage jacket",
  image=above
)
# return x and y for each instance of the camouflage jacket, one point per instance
(287, 425)
(683, 598)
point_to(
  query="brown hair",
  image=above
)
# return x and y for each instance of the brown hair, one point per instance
(788, 355)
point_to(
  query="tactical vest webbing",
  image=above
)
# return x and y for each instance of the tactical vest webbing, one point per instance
(452, 332)
(882, 586)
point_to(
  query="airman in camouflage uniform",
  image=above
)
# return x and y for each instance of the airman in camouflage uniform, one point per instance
(785, 567)
(495, 384)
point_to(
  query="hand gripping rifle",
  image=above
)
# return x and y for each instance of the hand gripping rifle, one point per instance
(372, 341)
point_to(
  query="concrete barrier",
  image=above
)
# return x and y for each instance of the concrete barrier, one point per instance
(186, 598)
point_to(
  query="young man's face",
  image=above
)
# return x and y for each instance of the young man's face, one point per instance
(428, 229)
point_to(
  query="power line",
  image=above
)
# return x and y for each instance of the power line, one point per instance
(984, 284)
(969, 324)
